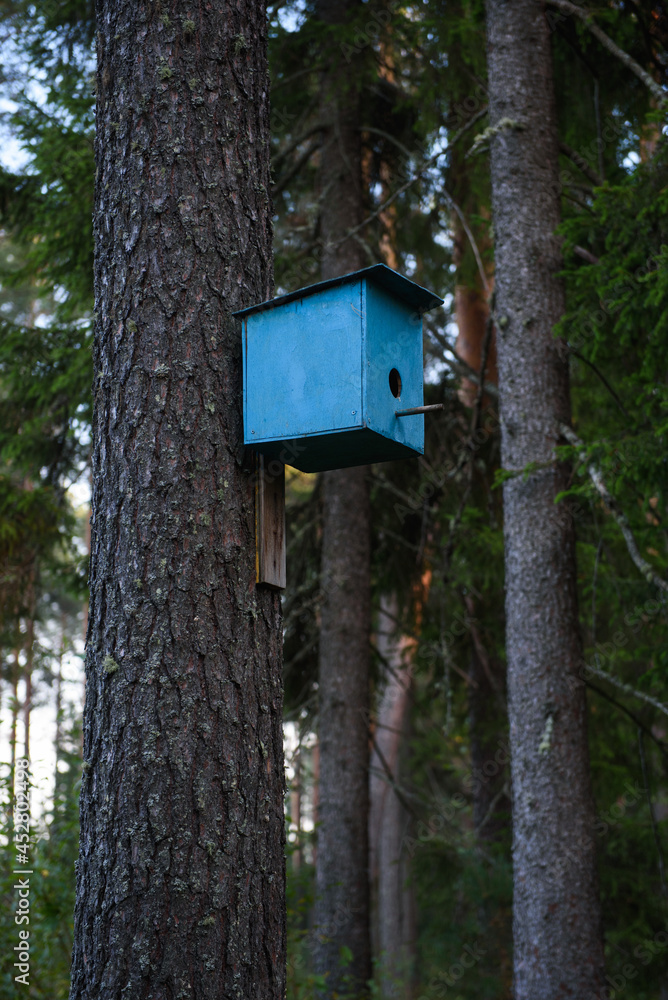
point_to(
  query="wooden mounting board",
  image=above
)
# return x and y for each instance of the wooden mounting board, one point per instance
(270, 523)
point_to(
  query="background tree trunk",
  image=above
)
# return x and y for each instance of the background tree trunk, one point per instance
(27, 674)
(13, 726)
(472, 311)
(557, 923)
(180, 889)
(390, 822)
(342, 863)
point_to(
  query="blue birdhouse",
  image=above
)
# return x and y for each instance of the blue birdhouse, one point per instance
(327, 368)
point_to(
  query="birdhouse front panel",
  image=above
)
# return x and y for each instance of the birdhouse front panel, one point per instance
(303, 372)
(326, 369)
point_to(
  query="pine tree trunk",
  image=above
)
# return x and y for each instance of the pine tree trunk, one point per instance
(180, 889)
(342, 863)
(557, 923)
(296, 809)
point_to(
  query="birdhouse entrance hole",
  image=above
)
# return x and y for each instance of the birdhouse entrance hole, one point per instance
(395, 383)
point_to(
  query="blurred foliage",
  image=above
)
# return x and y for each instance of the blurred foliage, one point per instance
(53, 852)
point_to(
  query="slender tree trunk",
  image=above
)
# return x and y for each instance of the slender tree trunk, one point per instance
(316, 798)
(472, 196)
(389, 819)
(58, 685)
(472, 312)
(296, 808)
(58, 782)
(27, 678)
(180, 889)
(14, 710)
(342, 864)
(14, 716)
(557, 922)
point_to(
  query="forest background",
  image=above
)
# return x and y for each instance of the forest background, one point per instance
(439, 784)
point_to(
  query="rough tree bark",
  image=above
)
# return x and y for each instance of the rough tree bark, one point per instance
(557, 924)
(180, 889)
(342, 864)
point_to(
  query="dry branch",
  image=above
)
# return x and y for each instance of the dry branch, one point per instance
(645, 568)
(587, 18)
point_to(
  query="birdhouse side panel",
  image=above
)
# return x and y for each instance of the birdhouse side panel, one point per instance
(303, 367)
(394, 368)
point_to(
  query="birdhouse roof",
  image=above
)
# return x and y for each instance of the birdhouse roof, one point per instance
(413, 295)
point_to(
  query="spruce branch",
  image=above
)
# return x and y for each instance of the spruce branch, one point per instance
(462, 367)
(401, 793)
(296, 167)
(474, 247)
(581, 164)
(502, 793)
(372, 130)
(603, 379)
(627, 688)
(586, 255)
(297, 141)
(587, 18)
(596, 476)
(663, 749)
(413, 180)
(468, 453)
